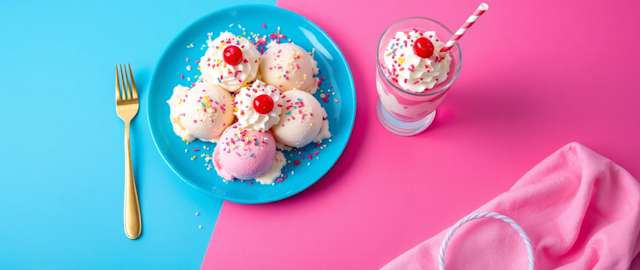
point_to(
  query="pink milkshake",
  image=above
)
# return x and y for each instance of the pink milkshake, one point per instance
(413, 77)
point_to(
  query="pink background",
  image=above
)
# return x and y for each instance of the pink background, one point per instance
(536, 75)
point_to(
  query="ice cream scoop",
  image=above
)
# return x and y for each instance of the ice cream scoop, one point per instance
(229, 61)
(287, 66)
(177, 110)
(203, 111)
(258, 106)
(301, 120)
(243, 153)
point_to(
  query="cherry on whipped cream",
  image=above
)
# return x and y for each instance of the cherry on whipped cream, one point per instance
(423, 47)
(232, 55)
(263, 104)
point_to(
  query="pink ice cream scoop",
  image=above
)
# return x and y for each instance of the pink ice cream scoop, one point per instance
(243, 154)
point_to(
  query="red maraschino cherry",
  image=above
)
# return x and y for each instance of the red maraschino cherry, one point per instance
(232, 55)
(263, 104)
(423, 47)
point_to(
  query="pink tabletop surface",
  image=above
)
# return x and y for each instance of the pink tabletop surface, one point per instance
(536, 75)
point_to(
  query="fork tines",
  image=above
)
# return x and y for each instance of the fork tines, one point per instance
(125, 79)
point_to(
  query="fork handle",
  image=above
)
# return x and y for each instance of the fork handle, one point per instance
(132, 221)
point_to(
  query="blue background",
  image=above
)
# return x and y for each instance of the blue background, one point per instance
(61, 151)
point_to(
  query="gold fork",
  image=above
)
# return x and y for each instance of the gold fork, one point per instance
(127, 107)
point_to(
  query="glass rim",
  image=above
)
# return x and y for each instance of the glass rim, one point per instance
(455, 76)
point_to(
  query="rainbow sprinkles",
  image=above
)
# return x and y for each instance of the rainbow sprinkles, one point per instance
(271, 85)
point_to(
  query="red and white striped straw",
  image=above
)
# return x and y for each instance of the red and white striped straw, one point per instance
(454, 39)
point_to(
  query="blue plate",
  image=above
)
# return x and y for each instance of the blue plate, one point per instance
(301, 31)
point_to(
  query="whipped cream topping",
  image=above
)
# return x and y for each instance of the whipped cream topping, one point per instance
(247, 116)
(216, 71)
(412, 72)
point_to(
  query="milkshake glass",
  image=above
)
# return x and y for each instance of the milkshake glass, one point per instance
(405, 111)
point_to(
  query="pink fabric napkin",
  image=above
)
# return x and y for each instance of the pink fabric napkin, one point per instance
(580, 210)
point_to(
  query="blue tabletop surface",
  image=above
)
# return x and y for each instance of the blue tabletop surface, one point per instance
(62, 156)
